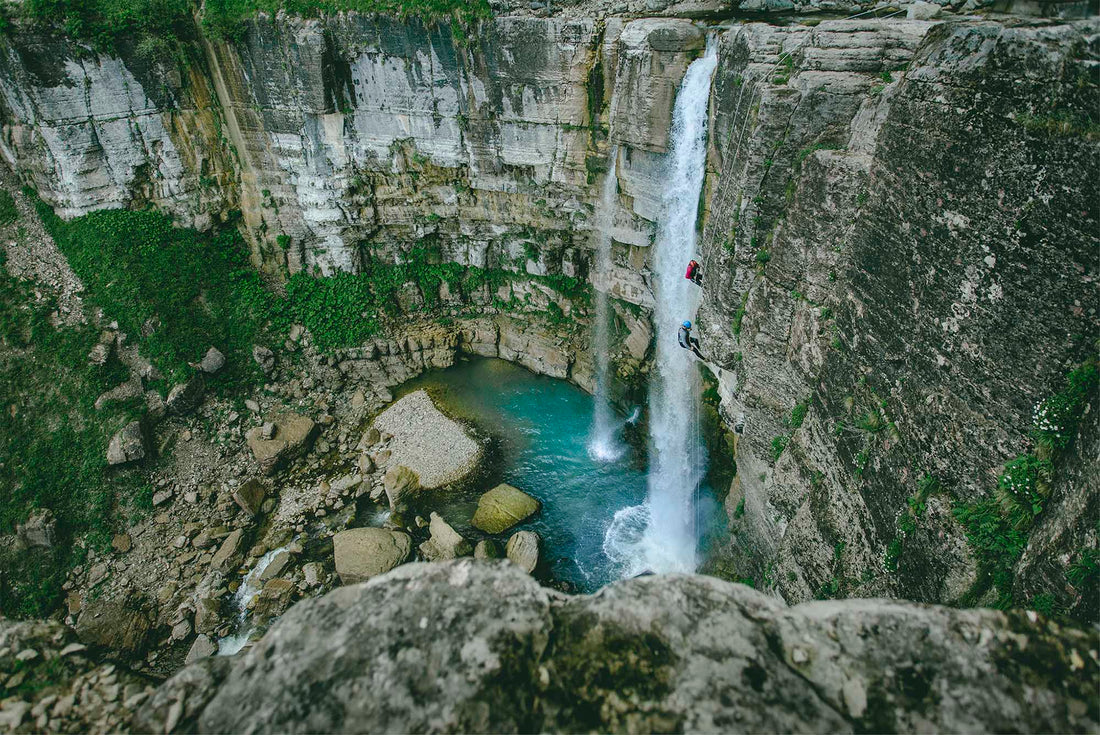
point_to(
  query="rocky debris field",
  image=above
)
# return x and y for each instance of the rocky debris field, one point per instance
(666, 654)
(261, 500)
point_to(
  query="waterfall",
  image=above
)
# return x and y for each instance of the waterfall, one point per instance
(677, 460)
(603, 444)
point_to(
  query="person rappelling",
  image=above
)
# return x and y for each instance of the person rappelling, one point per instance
(694, 273)
(687, 341)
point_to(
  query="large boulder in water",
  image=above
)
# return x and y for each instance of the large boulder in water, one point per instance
(523, 550)
(362, 553)
(503, 507)
(468, 646)
(436, 449)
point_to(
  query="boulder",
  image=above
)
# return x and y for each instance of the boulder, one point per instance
(503, 507)
(445, 543)
(203, 647)
(212, 361)
(398, 482)
(523, 550)
(264, 357)
(293, 436)
(127, 445)
(122, 542)
(362, 553)
(487, 549)
(250, 496)
(437, 449)
(120, 624)
(276, 566)
(186, 397)
(920, 10)
(683, 653)
(39, 530)
(273, 599)
(228, 554)
(208, 614)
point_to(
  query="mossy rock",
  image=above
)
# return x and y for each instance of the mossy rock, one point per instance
(503, 507)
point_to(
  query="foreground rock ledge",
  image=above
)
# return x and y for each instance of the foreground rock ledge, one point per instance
(480, 647)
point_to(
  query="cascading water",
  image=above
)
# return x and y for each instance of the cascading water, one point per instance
(661, 535)
(603, 443)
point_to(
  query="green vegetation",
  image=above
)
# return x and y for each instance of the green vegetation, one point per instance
(154, 27)
(8, 212)
(740, 314)
(779, 443)
(798, 414)
(998, 529)
(49, 388)
(176, 291)
(1055, 420)
(739, 511)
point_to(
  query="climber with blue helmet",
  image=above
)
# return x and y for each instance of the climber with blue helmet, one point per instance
(686, 340)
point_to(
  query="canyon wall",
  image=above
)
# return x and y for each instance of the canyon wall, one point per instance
(899, 228)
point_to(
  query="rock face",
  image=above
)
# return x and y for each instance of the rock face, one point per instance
(362, 553)
(438, 450)
(678, 653)
(885, 289)
(503, 507)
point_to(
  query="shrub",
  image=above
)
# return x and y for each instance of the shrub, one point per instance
(1084, 572)
(997, 543)
(1055, 420)
(779, 443)
(1022, 488)
(798, 414)
(283, 241)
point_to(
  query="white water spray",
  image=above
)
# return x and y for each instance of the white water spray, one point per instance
(250, 587)
(603, 444)
(661, 535)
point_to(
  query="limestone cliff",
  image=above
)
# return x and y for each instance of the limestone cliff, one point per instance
(471, 646)
(900, 232)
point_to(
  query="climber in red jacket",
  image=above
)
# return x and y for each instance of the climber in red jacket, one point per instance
(694, 273)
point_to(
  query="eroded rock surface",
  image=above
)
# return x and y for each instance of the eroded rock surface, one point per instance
(677, 653)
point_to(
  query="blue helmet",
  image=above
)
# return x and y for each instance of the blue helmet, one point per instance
(687, 325)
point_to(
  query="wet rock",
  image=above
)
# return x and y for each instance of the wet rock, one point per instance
(203, 647)
(212, 361)
(398, 482)
(250, 496)
(273, 599)
(445, 543)
(276, 566)
(127, 445)
(523, 550)
(362, 553)
(186, 397)
(658, 654)
(487, 549)
(293, 436)
(503, 507)
(431, 445)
